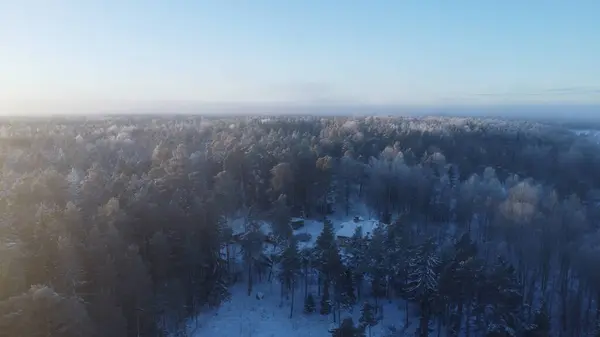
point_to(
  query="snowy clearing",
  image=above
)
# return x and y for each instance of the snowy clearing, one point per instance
(245, 316)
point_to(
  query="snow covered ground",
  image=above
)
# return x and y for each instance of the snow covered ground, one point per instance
(246, 316)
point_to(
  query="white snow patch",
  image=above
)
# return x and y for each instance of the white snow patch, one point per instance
(238, 226)
(244, 316)
(347, 228)
(312, 227)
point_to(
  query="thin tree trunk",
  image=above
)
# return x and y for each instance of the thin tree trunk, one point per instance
(319, 285)
(249, 278)
(406, 322)
(467, 321)
(460, 317)
(305, 282)
(424, 321)
(292, 306)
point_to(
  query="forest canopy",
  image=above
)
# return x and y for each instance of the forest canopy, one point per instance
(116, 226)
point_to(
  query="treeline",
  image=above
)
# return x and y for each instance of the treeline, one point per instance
(115, 227)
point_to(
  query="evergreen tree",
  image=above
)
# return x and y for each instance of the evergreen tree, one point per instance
(502, 299)
(423, 282)
(252, 243)
(281, 219)
(325, 301)
(290, 268)
(596, 330)
(347, 329)
(306, 258)
(376, 257)
(309, 304)
(346, 290)
(326, 249)
(42, 312)
(328, 260)
(541, 323)
(456, 281)
(367, 317)
(356, 253)
(290, 263)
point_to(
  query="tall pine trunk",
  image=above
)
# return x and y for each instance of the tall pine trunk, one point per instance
(424, 321)
(305, 282)
(293, 291)
(249, 278)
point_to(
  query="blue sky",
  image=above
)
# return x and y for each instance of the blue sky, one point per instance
(311, 51)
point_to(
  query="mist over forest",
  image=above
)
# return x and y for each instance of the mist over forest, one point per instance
(151, 225)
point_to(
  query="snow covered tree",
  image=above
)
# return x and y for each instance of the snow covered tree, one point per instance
(367, 317)
(227, 193)
(252, 243)
(347, 329)
(596, 330)
(280, 216)
(324, 172)
(502, 301)
(541, 324)
(349, 174)
(375, 258)
(306, 259)
(356, 255)
(42, 312)
(423, 282)
(290, 268)
(309, 304)
(346, 285)
(325, 301)
(345, 297)
(396, 241)
(282, 179)
(328, 258)
(456, 281)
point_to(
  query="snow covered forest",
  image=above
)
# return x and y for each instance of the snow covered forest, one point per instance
(147, 225)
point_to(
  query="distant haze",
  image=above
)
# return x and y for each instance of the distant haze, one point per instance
(556, 112)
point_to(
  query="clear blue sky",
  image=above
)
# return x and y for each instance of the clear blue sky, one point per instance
(350, 51)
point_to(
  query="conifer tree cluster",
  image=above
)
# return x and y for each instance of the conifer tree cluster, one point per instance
(133, 225)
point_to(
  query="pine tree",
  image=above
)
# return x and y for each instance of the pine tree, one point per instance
(375, 259)
(503, 300)
(346, 290)
(42, 312)
(290, 263)
(596, 331)
(456, 281)
(325, 245)
(325, 302)
(356, 253)
(423, 282)
(328, 258)
(309, 304)
(347, 329)
(281, 219)
(252, 246)
(290, 267)
(541, 323)
(367, 317)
